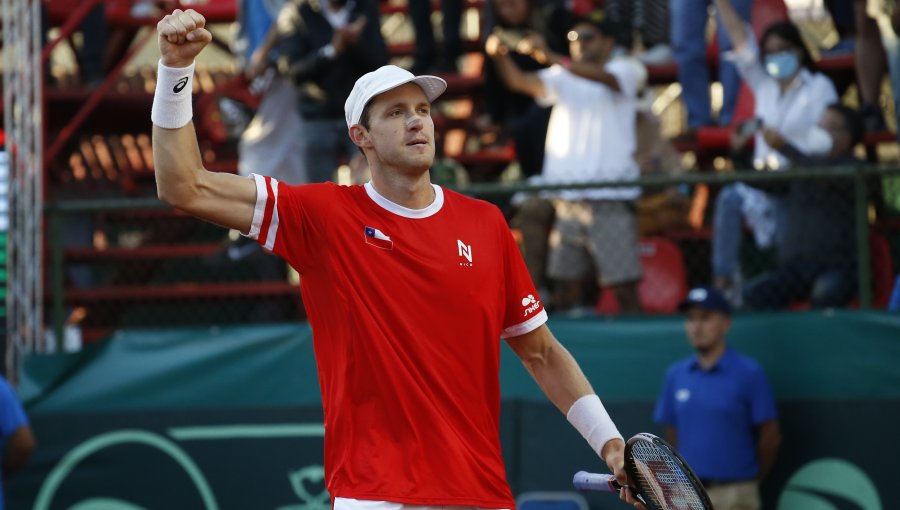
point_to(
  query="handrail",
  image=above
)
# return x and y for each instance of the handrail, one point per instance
(859, 174)
(505, 189)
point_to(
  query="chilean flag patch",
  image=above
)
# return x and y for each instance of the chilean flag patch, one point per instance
(377, 239)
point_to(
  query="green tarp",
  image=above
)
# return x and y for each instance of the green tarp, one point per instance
(815, 355)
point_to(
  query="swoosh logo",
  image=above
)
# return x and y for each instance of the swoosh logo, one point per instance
(180, 85)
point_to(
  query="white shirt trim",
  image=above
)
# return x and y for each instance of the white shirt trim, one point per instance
(259, 210)
(363, 504)
(406, 212)
(527, 326)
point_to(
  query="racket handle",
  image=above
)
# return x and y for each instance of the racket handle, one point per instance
(585, 481)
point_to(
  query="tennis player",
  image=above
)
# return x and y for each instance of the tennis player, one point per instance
(408, 288)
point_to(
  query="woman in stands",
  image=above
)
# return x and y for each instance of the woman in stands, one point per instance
(790, 97)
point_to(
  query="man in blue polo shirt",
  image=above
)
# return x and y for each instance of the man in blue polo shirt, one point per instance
(16, 439)
(718, 409)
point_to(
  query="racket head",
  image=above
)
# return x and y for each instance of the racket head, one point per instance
(662, 476)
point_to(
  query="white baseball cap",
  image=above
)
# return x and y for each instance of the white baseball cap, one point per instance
(382, 80)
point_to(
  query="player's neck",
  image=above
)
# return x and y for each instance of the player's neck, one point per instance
(412, 192)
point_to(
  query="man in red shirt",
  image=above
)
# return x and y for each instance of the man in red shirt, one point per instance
(408, 288)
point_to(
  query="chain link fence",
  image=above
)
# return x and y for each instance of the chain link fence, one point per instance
(134, 263)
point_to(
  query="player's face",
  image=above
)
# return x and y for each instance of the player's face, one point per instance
(401, 130)
(706, 329)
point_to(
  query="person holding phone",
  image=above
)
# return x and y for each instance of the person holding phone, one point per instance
(790, 97)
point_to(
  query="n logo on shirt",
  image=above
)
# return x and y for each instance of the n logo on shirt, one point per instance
(465, 250)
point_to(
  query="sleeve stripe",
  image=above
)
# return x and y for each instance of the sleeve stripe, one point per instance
(273, 224)
(260, 208)
(271, 205)
(527, 326)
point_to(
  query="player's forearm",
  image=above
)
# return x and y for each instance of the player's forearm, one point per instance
(559, 376)
(176, 158)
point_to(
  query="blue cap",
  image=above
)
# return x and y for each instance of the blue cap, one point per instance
(707, 298)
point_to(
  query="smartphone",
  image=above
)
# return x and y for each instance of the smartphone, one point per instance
(751, 126)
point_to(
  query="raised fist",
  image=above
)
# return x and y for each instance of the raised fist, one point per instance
(182, 35)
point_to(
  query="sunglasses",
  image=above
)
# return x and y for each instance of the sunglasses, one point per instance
(584, 37)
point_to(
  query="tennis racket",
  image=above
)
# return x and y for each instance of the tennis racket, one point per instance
(662, 479)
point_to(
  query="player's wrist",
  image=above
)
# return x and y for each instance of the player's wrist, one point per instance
(172, 107)
(590, 418)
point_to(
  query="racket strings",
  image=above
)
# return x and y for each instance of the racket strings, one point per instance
(663, 480)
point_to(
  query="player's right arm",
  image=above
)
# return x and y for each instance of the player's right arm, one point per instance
(181, 180)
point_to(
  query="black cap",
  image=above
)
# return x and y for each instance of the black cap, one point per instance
(707, 298)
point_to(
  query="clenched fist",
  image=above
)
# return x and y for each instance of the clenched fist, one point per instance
(182, 36)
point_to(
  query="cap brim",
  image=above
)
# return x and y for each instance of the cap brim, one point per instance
(433, 86)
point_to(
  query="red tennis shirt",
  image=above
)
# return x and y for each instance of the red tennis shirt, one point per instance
(407, 309)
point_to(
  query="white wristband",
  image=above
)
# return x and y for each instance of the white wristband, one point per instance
(590, 418)
(172, 101)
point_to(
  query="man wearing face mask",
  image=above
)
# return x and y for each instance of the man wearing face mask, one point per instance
(790, 98)
(816, 224)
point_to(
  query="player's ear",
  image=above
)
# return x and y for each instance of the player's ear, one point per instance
(360, 136)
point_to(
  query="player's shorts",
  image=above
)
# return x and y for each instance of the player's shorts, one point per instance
(595, 233)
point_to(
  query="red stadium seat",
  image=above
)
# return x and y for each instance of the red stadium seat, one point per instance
(665, 279)
(882, 269)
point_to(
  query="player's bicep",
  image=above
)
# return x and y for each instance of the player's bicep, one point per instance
(224, 199)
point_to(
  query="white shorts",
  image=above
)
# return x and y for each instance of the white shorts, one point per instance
(364, 504)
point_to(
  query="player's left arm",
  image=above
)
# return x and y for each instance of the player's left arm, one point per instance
(552, 367)
(561, 379)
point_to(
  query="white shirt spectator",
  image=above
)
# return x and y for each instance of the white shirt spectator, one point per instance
(591, 136)
(795, 114)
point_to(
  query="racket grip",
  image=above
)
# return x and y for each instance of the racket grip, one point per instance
(585, 481)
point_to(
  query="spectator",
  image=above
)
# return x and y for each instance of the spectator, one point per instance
(427, 58)
(789, 98)
(270, 145)
(816, 220)
(512, 112)
(644, 25)
(717, 408)
(16, 438)
(591, 137)
(858, 34)
(688, 23)
(407, 317)
(327, 46)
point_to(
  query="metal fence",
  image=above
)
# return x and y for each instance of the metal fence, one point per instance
(125, 263)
